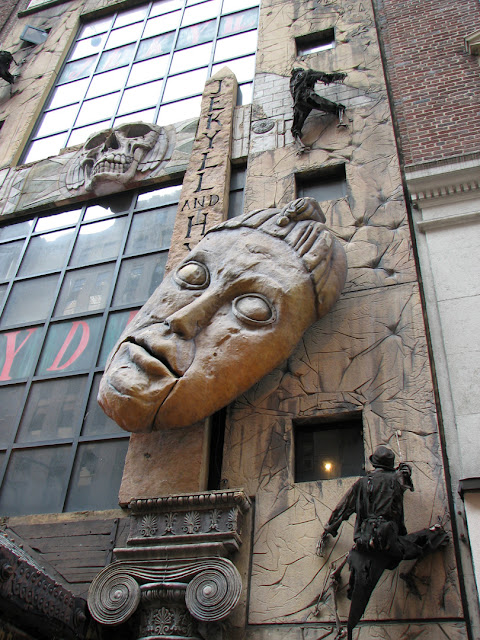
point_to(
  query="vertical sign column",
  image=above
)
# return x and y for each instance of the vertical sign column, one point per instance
(204, 199)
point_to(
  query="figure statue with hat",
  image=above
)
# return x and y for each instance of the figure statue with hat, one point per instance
(380, 538)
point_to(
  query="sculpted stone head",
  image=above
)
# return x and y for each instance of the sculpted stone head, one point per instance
(110, 159)
(229, 313)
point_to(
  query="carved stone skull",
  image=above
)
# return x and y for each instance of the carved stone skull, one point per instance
(112, 157)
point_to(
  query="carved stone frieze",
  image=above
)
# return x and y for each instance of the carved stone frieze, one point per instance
(33, 599)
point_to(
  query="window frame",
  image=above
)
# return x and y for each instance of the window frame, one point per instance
(13, 442)
(117, 117)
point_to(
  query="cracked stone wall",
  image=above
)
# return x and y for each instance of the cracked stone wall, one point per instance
(369, 354)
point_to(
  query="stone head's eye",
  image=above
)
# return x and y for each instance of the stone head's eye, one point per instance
(193, 275)
(254, 309)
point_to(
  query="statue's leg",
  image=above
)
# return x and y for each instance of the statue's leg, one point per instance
(367, 569)
(322, 104)
(299, 117)
(423, 542)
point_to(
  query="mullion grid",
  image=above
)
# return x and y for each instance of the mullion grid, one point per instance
(77, 437)
(160, 103)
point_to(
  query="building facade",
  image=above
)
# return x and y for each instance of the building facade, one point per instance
(124, 138)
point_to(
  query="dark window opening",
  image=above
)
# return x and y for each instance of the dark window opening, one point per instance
(217, 438)
(315, 42)
(328, 184)
(329, 449)
(237, 191)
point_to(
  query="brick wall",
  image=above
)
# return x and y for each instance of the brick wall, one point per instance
(434, 82)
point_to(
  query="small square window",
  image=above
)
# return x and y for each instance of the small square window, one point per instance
(328, 184)
(315, 42)
(329, 449)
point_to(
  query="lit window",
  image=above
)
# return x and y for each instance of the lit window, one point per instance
(329, 449)
(147, 64)
(69, 284)
(315, 42)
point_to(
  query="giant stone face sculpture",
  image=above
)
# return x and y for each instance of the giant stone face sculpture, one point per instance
(231, 312)
(110, 159)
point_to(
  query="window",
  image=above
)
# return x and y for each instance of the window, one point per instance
(329, 184)
(315, 42)
(329, 449)
(149, 63)
(237, 192)
(69, 285)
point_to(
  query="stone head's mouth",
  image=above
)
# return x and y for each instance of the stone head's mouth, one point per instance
(156, 364)
(115, 164)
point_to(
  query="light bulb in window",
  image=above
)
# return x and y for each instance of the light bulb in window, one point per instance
(328, 466)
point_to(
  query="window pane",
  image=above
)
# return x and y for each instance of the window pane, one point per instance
(15, 230)
(146, 95)
(80, 135)
(29, 474)
(53, 410)
(236, 5)
(30, 300)
(18, 352)
(70, 346)
(58, 120)
(128, 17)
(87, 47)
(45, 148)
(245, 93)
(85, 290)
(162, 24)
(94, 28)
(191, 58)
(138, 279)
(59, 220)
(235, 203)
(326, 187)
(47, 252)
(236, 46)
(138, 116)
(162, 6)
(238, 22)
(148, 70)
(93, 109)
(96, 422)
(115, 325)
(197, 34)
(201, 12)
(158, 198)
(68, 93)
(155, 46)
(185, 84)
(9, 254)
(179, 111)
(98, 241)
(107, 82)
(151, 230)
(243, 68)
(3, 290)
(77, 70)
(118, 37)
(117, 203)
(96, 475)
(10, 401)
(116, 58)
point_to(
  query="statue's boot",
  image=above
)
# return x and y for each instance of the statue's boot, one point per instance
(366, 569)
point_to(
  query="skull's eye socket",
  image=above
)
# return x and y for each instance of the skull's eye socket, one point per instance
(192, 275)
(254, 309)
(96, 141)
(135, 130)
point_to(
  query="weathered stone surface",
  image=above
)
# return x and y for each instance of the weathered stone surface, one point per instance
(152, 468)
(231, 311)
(369, 353)
(205, 188)
(432, 631)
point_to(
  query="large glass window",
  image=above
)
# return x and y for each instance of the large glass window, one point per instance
(69, 284)
(148, 64)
